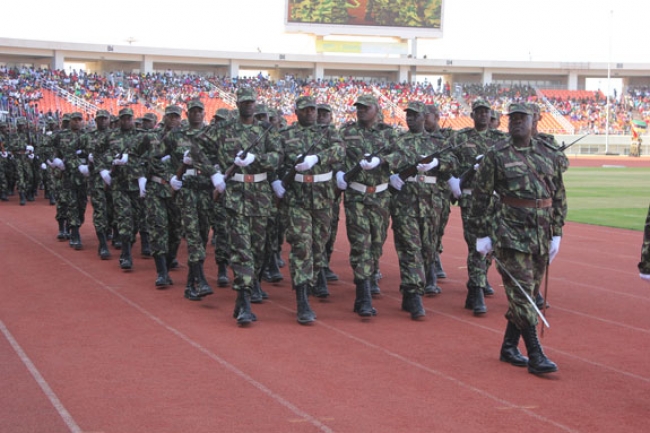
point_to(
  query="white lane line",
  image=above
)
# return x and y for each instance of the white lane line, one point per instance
(51, 395)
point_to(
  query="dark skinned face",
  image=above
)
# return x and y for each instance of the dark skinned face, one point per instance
(102, 123)
(246, 109)
(172, 120)
(324, 117)
(126, 122)
(520, 127)
(306, 116)
(75, 124)
(481, 117)
(366, 114)
(415, 121)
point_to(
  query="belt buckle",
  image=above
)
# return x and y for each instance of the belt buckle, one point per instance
(308, 178)
(421, 178)
(538, 203)
(371, 189)
(248, 178)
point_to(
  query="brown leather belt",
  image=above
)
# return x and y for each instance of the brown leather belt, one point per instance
(520, 202)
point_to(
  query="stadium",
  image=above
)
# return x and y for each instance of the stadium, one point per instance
(88, 347)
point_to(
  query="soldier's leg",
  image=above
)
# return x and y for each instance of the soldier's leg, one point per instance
(359, 235)
(189, 207)
(408, 244)
(475, 270)
(381, 217)
(157, 221)
(334, 228)
(301, 260)
(221, 244)
(124, 218)
(321, 226)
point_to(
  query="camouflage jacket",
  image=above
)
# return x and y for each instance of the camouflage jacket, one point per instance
(228, 138)
(94, 142)
(296, 140)
(68, 147)
(118, 143)
(550, 140)
(420, 198)
(506, 171)
(175, 144)
(644, 264)
(359, 141)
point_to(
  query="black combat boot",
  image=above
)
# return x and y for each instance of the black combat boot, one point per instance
(440, 273)
(271, 271)
(222, 275)
(538, 363)
(23, 199)
(102, 250)
(320, 288)
(509, 349)
(203, 288)
(305, 314)
(3, 196)
(412, 302)
(190, 290)
(126, 261)
(116, 241)
(475, 301)
(329, 274)
(278, 259)
(363, 302)
(62, 232)
(172, 263)
(145, 247)
(488, 290)
(431, 285)
(539, 301)
(75, 238)
(243, 307)
(162, 277)
(374, 286)
(30, 195)
(256, 294)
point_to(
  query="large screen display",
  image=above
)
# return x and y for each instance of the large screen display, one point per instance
(367, 17)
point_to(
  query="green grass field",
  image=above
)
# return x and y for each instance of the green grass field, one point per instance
(608, 196)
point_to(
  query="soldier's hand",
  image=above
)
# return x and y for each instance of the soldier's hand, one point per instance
(165, 158)
(106, 177)
(645, 277)
(29, 148)
(484, 246)
(142, 185)
(91, 158)
(248, 160)
(4, 154)
(30, 155)
(454, 185)
(83, 169)
(121, 161)
(187, 159)
(43, 166)
(554, 248)
(175, 183)
(396, 182)
(340, 181)
(307, 163)
(278, 188)
(219, 182)
(423, 168)
(58, 163)
(369, 165)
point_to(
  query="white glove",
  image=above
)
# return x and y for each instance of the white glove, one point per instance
(374, 162)
(58, 163)
(121, 161)
(187, 159)
(106, 176)
(91, 158)
(340, 181)
(175, 183)
(278, 188)
(396, 182)
(246, 161)
(454, 184)
(645, 277)
(307, 163)
(422, 168)
(30, 155)
(48, 133)
(50, 163)
(4, 154)
(218, 182)
(476, 167)
(78, 151)
(83, 169)
(554, 248)
(484, 245)
(165, 158)
(29, 148)
(142, 184)
(43, 166)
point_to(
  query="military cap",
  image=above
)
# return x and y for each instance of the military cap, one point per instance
(481, 103)
(102, 113)
(195, 103)
(52, 121)
(138, 120)
(114, 118)
(304, 102)
(325, 107)
(367, 100)
(262, 109)
(76, 115)
(223, 113)
(125, 112)
(173, 109)
(534, 108)
(518, 107)
(245, 94)
(416, 106)
(21, 121)
(151, 117)
(494, 114)
(66, 117)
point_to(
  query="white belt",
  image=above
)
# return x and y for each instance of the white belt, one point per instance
(422, 179)
(159, 180)
(467, 191)
(248, 178)
(191, 172)
(368, 189)
(311, 178)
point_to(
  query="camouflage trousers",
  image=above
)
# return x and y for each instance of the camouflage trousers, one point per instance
(366, 225)
(222, 244)
(307, 232)
(644, 264)
(101, 199)
(164, 223)
(444, 219)
(61, 205)
(477, 265)
(529, 270)
(415, 242)
(272, 244)
(126, 207)
(334, 227)
(247, 240)
(4, 183)
(25, 171)
(75, 199)
(196, 208)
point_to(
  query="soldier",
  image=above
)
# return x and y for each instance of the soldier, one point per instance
(470, 143)
(324, 117)
(149, 121)
(4, 161)
(527, 176)
(417, 206)
(194, 183)
(644, 264)
(306, 190)
(72, 160)
(21, 146)
(46, 154)
(367, 199)
(57, 176)
(101, 199)
(248, 197)
(495, 119)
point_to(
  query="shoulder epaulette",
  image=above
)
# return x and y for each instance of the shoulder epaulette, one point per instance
(502, 144)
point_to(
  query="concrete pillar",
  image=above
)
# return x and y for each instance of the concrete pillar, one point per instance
(58, 60)
(487, 76)
(146, 65)
(572, 82)
(234, 68)
(403, 74)
(319, 71)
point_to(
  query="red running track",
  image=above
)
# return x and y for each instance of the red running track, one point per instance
(85, 347)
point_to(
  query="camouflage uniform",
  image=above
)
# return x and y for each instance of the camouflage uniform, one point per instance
(18, 145)
(308, 199)
(219, 226)
(4, 161)
(469, 143)
(531, 210)
(644, 264)
(367, 199)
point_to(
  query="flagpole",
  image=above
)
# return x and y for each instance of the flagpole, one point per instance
(609, 74)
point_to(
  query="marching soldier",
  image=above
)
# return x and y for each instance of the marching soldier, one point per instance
(22, 148)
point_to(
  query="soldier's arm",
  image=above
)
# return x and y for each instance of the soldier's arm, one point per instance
(480, 216)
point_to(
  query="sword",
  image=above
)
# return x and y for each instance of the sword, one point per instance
(530, 300)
